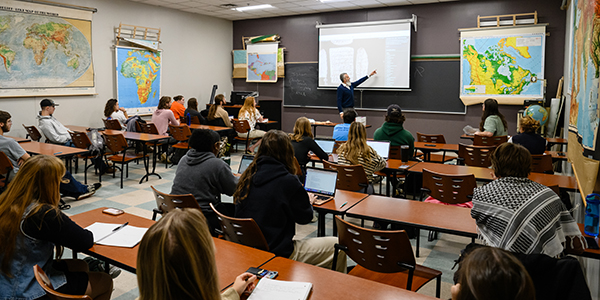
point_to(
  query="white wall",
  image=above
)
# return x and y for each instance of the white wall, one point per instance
(196, 55)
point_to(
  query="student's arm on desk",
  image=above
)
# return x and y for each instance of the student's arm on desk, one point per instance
(49, 225)
(245, 282)
(228, 181)
(484, 133)
(314, 147)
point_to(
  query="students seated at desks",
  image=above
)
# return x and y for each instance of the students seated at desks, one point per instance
(340, 131)
(177, 107)
(272, 195)
(393, 130)
(520, 215)
(528, 137)
(492, 274)
(192, 110)
(250, 113)
(492, 121)
(176, 260)
(31, 225)
(356, 152)
(113, 111)
(162, 116)
(217, 115)
(203, 175)
(302, 141)
(17, 156)
(52, 129)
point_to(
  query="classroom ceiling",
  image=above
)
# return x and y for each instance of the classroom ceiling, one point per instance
(224, 8)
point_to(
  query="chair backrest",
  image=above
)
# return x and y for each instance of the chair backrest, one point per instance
(477, 156)
(44, 281)
(181, 133)
(80, 140)
(385, 251)
(298, 168)
(542, 163)
(396, 152)
(195, 120)
(166, 202)
(242, 231)
(148, 128)
(451, 189)
(337, 145)
(115, 142)
(241, 126)
(5, 166)
(350, 178)
(431, 138)
(33, 132)
(479, 140)
(112, 124)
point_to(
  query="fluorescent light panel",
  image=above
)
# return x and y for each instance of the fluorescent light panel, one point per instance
(253, 7)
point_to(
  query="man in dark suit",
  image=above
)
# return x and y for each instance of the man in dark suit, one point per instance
(345, 92)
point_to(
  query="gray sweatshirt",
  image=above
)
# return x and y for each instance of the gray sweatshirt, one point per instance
(204, 176)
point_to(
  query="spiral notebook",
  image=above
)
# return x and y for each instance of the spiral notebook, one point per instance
(269, 289)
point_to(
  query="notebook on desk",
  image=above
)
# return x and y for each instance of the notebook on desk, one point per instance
(321, 183)
(245, 162)
(381, 147)
(326, 145)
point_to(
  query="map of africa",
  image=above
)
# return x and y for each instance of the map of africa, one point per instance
(138, 77)
(583, 117)
(262, 67)
(502, 65)
(43, 52)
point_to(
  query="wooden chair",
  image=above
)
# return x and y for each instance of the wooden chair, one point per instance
(33, 133)
(150, 128)
(477, 156)
(167, 202)
(433, 139)
(385, 256)
(242, 126)
(195, 120)
(182, 134)
(117, 144)
(242, 231)
(350, 178)
(82, 141)
(337, 145)
(45, 283)
(5, 168)
(113, 124)
(298, 168)
(479, 140)
(542, 163)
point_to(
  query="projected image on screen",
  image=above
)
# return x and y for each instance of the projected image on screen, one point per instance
(359, 49)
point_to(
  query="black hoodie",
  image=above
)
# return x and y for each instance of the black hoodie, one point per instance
(276, 201)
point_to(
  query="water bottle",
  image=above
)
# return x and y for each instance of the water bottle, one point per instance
(189, 119)
(591, 214)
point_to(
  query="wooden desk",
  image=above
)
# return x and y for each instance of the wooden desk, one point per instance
(232, 259)
(436, 147)
(556, 155)
(215, 128)
(77, 128)
(591, 253)
(37, 148)
(551, 141)
(18, 139)
(335, 207)
(328, 284)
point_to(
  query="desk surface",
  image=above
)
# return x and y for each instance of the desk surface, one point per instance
(215, 128)
(38, 148)
(436, 146)
(444, 218)
(394, 164)
(232, 259)
(18, 139)
(550, 140)
(328, 284)
(341, 197)
(77, 128)
(137, 136)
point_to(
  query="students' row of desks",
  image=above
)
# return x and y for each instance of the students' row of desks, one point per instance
(551, 141)
(234, 259)
(424, 146)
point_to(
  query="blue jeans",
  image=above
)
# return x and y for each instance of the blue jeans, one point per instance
(72, 189)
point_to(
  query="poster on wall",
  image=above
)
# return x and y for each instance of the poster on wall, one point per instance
(585, 71)
(138, 77)
(261, 60)
(45, 50)
(502, 63)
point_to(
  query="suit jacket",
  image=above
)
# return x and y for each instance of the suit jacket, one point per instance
(345, 96)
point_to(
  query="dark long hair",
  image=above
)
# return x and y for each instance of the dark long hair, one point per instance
(275, 144)
(164, 102)
(491, 108)
(193, 104)
(109, 108)
(213, 108)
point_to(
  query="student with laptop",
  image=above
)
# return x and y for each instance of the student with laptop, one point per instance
(302, 142)
(272, 195)
(321, 183)
(393, 129)
(203, 175)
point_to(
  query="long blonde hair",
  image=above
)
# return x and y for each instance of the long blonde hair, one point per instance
(176, 259)
(248, 107)
(38, 181)
(301, 129)
(356, 145)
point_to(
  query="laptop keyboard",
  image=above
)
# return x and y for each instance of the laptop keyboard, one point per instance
(322, 197)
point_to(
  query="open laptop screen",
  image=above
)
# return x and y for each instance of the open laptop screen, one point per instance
(244, 163)
(326, 145)
(321, 181)
(382, 148)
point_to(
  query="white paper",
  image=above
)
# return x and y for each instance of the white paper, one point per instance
(128, 236)
(268, 289)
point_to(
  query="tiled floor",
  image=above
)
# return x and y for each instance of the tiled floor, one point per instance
(137, 199)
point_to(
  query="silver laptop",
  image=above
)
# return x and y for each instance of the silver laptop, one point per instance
(321, 183)
(326, 145)
(245, 162)
(381, 147)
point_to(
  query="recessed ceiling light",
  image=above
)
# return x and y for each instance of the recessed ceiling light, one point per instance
(253, 7)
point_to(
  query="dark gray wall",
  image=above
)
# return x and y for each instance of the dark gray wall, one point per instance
(437, 33)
